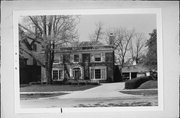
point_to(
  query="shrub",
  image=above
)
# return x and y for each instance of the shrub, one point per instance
(148, 85)
(136, 82)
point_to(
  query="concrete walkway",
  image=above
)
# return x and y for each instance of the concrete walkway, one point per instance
(106, 90)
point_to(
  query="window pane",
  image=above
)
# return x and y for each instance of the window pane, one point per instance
(97, 73)
(55, 74)
(76, 58)
(92, 73)
(60, 74)
(97, 57)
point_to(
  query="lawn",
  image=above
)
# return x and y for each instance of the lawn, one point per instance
(35, 96)
(141, 92)
(54, 88)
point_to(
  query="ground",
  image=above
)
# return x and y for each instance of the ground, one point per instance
(105, 95)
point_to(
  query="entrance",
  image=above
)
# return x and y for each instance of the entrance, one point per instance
(76, 73)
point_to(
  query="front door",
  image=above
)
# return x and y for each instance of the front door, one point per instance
(76, 73)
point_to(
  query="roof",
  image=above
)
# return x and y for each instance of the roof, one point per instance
(86, 46)
(135, 68)
(90, 43)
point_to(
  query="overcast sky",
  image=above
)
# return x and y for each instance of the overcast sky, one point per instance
(142, 23)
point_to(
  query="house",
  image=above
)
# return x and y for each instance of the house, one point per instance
(30, 70)
(86, 61)
(135, 70)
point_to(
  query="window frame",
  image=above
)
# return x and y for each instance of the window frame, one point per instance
(94, 56)
(74, 58)
(101, 70)
(59, 78)
(60, 60)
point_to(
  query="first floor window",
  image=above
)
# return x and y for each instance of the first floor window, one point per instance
(97, 73)
(57, 74)
(126, 76)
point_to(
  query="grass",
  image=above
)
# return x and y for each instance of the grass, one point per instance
(141, 92)
(53, 88)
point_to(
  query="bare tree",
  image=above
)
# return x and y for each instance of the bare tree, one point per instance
(98, 33)
(137, 47)
(48, 32)
(121, 42)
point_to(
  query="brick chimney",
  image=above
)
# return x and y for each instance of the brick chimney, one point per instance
(111, 39)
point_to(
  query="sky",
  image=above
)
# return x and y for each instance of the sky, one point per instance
(142, 23)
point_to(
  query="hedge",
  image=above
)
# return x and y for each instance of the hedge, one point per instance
(148, 85)
(136, 82)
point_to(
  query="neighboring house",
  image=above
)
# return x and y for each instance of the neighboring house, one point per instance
(87, 61)
(135, 70)
(30, 71)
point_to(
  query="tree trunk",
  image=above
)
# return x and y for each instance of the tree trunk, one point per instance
(48, 65)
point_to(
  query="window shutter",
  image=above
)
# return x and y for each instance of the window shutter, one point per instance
(71, 58)
(71, 73)
(60, 58)
(92, 74)
(103, 57)
(103, 73)
(92, 58)
(80, 57)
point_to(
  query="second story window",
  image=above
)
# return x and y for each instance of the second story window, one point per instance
(97, 57)
(76, 58)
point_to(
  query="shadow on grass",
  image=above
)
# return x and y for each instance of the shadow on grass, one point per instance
(141, 92)
(52, 88)
(36, 96)
(117, 104)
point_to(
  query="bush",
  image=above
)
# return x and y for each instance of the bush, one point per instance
(148, 85)
(136, 82)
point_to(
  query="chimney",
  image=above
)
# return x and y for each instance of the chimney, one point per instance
(111, 39)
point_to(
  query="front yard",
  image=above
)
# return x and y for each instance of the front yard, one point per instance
(55, 88)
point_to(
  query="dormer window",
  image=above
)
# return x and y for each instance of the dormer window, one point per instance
(76, 57)
(97, 57)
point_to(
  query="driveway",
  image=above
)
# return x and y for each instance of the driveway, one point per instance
(105, 90)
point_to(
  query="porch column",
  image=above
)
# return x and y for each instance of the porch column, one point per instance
(130, 75)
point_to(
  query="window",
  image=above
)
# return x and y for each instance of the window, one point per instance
(126, 76)
(76, 58)
(57, 74)
(58, 59)
(97, 57)
(66, 58)
(97, 73)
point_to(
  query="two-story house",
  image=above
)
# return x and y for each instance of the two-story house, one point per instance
(87, 61)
